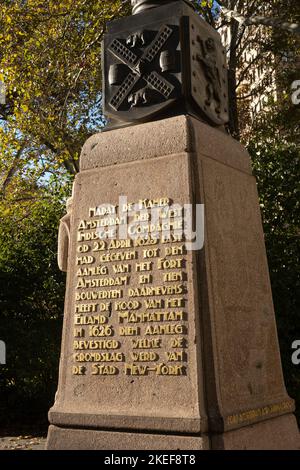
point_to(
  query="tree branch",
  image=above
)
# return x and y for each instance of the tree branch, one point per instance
(257, 20)
(13, 169)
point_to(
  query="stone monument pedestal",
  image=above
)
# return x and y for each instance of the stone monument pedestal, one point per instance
(212, 377)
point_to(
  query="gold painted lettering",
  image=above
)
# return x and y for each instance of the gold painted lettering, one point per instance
(151, 291)
(86, 308)
(175, 356)
(154, 303)
(129, 331)
(106, 209)
(118, 256)
(148, 317)
(145, 279)
(144, 356)
(170, 263)
(143, 217)
(92, 271)
(90, 320)
(178, 342)
(173, 277)
(121, 268)
(174, 250)
(99, 357)
(98, 369)
(145, 343)
(153, 253)
(85, 260)
(163, 369)
(130, 305)
(173, 303)
(96, 344)
(84, 283)
(132, 369)
(171, 238)
(147, 266)
(147, 241)
(103, 294)
(101, 331)
(83, 248)
(79, 333)
(117, 244)
(78, 370)
(168, 329)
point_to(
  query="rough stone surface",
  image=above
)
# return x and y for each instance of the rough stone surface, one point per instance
(239, 305)
(161, 403)
(160, 138)
(77, 439)
(275, 434)
(234, 388)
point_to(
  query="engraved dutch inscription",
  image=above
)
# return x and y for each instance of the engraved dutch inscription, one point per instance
(131, 308)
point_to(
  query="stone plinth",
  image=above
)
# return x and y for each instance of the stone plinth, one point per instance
(193, 363)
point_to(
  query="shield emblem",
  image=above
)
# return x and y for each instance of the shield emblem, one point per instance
(209, 80)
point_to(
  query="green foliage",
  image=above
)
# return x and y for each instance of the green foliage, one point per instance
(31, 306)
(50, 61)
(276, 161)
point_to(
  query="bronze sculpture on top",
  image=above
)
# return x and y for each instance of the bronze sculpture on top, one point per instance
(162, 61)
